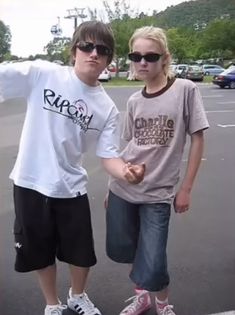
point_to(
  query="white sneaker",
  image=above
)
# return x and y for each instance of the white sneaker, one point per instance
(54, 309)
(81, 304)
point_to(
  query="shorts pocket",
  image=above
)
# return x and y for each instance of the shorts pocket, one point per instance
(18, 234)
(17, 229)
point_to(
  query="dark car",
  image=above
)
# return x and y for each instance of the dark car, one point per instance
(226, 78)
(194, 73)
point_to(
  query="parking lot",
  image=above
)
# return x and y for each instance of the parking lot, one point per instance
(201, 242)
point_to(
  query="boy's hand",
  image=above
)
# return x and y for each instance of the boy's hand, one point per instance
(134, 174)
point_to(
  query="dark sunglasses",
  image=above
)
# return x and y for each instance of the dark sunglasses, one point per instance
(151, 57)
(88, 47)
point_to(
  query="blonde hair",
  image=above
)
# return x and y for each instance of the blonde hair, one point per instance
(158, 36)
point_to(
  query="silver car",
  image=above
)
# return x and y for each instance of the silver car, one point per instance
(212, 69)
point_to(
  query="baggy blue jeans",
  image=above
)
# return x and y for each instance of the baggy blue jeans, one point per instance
(137, 234)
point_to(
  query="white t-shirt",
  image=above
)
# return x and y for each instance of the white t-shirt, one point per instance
(64, 118)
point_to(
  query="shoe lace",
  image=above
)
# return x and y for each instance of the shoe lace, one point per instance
(134, 306)
(167, 310)
(57, 310)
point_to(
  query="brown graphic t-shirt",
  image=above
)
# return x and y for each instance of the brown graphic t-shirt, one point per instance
(155, 127)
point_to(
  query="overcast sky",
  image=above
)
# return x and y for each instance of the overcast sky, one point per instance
(30, 21)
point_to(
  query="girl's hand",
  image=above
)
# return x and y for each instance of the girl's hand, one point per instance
(182, 201)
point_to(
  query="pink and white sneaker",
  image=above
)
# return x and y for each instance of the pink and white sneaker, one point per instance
(166, 310)
(141, 303)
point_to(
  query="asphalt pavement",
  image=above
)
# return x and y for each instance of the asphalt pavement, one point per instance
(201, 250)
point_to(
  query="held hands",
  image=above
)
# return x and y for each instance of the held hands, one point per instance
(134, 173)
(182, 201)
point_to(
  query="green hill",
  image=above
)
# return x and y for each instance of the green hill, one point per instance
(196, 14)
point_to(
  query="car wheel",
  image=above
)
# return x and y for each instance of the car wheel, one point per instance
(207, 73)
(232, 85)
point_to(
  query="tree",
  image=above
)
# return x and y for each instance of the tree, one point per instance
(120, 19)
(58, 49)
(219, 38)
(5, 40)
(92, 14)
(177, 44)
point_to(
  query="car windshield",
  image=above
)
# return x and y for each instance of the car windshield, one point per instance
(229, 71)
(195, 68)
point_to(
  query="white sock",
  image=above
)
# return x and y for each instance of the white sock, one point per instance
(77, 295)
(161, 303)
(51, 305)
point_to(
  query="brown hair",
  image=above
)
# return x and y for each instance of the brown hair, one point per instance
(96, 31)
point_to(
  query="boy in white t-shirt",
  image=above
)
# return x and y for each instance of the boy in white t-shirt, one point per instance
(68, 112)
(157, 122)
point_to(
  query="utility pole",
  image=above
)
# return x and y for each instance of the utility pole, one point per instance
(75, 14)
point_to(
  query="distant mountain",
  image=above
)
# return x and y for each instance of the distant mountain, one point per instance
(195, 14)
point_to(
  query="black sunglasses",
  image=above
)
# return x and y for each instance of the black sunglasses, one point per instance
(151, 57)
(88, 47)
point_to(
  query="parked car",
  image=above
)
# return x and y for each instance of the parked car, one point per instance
(180, 70)
(59, 62)
(194, 73)
(212, 69)
(226, 78)
(231, 65)
(105, 75)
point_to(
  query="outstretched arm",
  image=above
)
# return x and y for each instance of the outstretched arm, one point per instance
(16, 80)
(182, 198)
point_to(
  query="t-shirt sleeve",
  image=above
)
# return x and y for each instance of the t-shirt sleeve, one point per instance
(127, 132)
(195, 115)
(109, 140)
(15, 80)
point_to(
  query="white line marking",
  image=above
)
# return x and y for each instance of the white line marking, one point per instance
(220, 111)
(225, 313)
(229, 102)
(225, 126)
(186, 160)
(212, 96)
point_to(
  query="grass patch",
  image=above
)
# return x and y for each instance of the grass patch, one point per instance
(208, 78)
(125, 82)
(121, 82)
